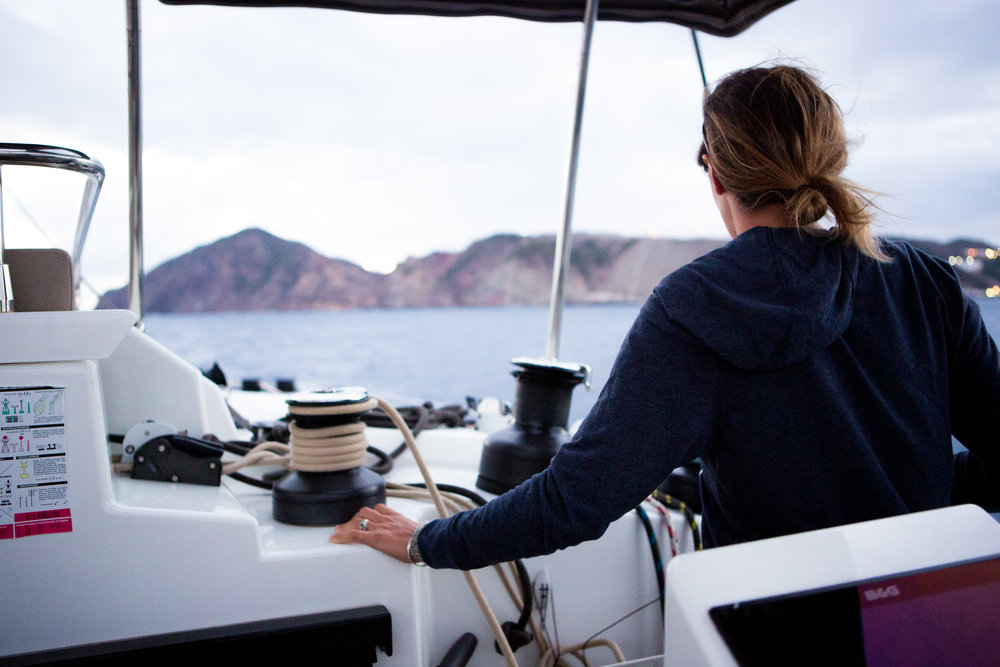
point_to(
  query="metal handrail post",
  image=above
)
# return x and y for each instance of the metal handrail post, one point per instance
(91, 191)
(134, 161)
(564, 239)
(6, 288)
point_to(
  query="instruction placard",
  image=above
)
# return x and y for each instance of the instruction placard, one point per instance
(34, 484)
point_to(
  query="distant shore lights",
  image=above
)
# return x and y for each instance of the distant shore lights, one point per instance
(972, 262)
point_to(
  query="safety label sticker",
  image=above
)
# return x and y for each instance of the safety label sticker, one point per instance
(34, 484)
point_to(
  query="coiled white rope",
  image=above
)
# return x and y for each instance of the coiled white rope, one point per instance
(265, 453)
(322, 449)
(328, 448)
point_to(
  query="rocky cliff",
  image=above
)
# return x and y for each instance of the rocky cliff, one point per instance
(255, 270)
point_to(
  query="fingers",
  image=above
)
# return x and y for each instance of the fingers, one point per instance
(385, 530)
(371, 513)
(372, 518)
(384, 510)
(351, 530)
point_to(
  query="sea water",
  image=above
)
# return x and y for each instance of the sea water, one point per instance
(442, 355)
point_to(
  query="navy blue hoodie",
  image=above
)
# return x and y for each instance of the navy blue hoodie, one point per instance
(819, 387)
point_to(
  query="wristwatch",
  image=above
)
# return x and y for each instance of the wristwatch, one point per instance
(413, 548)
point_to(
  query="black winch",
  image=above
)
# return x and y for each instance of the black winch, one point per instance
(541, 413)
(327, 497)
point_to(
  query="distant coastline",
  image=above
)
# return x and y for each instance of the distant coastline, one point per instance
(254, 270)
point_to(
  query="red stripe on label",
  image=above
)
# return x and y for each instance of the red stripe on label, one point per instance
(44, 527)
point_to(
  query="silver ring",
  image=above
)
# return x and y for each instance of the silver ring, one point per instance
(363, 525)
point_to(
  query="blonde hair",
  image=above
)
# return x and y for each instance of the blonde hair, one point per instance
(773, 135)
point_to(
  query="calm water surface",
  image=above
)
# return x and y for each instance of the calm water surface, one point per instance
(437, 354)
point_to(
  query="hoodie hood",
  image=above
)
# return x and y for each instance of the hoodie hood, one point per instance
(766, 300)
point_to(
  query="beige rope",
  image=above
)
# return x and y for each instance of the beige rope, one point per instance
(576, 650)
(328, 448)
(326, 431)
(265, 453)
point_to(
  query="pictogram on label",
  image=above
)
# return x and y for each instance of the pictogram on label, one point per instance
(34, 481)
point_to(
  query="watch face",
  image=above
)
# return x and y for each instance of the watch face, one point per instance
(413, 549)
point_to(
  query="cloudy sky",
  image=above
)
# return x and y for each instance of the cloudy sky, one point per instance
(374, 138)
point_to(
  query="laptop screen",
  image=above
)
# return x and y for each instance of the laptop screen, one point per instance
(950, 612)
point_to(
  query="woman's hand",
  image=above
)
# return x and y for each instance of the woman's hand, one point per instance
(387, 530)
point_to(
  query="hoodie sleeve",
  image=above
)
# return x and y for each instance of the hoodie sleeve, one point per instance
(975, 401)
(652, 415)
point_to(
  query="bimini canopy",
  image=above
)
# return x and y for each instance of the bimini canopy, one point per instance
(724, 18)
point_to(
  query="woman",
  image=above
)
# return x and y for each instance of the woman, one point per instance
(818, 374)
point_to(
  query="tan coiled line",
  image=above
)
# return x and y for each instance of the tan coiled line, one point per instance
(329, 448)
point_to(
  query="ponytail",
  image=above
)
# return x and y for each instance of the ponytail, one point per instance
(847, 204)
(773, 135)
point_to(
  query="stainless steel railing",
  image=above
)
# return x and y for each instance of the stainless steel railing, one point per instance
(60, 158)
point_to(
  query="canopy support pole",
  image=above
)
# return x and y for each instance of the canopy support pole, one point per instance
(564, 239)
(697, 52)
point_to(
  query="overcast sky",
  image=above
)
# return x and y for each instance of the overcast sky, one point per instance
(374, 138)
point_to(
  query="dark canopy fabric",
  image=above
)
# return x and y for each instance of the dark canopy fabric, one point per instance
(718, 17)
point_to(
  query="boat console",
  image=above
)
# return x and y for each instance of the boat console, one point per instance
(886, 592)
